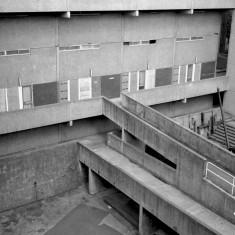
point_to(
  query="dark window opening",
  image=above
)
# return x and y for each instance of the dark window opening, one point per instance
(152, 41)
(158, 156)
(216, 99)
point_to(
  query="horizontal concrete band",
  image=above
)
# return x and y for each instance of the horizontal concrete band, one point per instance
(179, 92)
(110, 5)
(201, 145)
(49, 115)
(162, 200)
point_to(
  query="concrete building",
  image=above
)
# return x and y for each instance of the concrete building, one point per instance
(115, 87)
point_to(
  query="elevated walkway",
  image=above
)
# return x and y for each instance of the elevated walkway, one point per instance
(164, 201)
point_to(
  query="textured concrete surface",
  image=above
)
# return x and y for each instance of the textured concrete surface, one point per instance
(164, 201)
(75, 212)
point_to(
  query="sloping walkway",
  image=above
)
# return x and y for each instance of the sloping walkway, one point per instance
(163, 200)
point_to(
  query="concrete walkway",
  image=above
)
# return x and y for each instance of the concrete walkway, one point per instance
(150, 191)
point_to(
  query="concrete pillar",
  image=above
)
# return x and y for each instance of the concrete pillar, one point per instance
(126, 136)
(95, 184)
(230, 94)
(146, 225)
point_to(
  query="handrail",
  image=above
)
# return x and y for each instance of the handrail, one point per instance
(225, 180)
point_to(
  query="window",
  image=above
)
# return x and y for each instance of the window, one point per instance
(141, 80)
(138, 43)
(195, 38)
(27, 97)
(88, 46)
(208, 70)
(15, 52)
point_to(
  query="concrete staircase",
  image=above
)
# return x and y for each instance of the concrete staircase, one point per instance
(219, 134)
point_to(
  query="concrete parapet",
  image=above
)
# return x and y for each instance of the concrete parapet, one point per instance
(201, 145)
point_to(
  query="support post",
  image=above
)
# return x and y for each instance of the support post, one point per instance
(146, 226)
(95, 184)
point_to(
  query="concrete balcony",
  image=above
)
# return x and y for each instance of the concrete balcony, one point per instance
(10, 6)
(49, 115)
(171, 93)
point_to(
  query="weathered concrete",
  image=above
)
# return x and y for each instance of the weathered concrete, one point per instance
(202, 145)
(107, 5)
(49, 115)
(179, 92)
(153, 165)
(33, 175)
(190, 164)
(95, 184)
(168, 204)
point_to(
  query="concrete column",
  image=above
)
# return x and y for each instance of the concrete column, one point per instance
(230, 94)
(95, 184)
(146, 225)
(126, 136)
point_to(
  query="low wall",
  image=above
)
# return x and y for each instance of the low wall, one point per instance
(153, 165)
(33, 175)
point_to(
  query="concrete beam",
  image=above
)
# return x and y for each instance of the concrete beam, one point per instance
(179, 92)
(49, 115)
(10, 6)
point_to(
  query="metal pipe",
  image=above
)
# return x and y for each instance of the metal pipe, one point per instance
(222, 114)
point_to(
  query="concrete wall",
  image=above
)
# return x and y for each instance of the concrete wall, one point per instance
(49, 114)
(33, 175)
(46, 63)
(177, 108)
(49, 135)
(153, 165)
(108, 5)
(171, 93)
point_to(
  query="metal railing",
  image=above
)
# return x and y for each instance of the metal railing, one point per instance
(221, 178)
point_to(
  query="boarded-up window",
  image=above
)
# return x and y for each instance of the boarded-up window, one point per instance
(197, 74)
(27, 97)
(183, 69)
(96, 86)
(208, 70)
(111, 86)
(150, 79)
(13, 98)
(163, 77)
(44, 94)
(84, 88)
(133, 81)
(3, 107)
